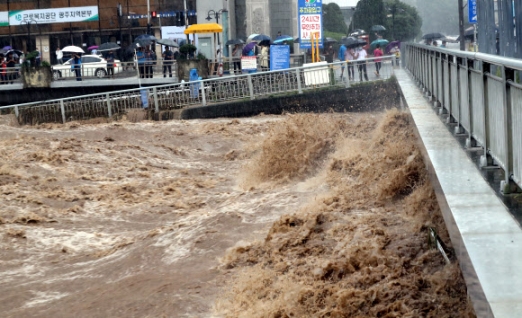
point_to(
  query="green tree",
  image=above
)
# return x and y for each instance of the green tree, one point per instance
(369, 13)
(333, 19)
(403, 21)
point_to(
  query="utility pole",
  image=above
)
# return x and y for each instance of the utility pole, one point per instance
(461, 25)
(186, 17)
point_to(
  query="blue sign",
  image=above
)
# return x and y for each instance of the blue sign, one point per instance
(310, 15)
(279, 57)
(472, 13)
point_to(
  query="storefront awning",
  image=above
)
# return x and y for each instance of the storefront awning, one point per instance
(204, 28)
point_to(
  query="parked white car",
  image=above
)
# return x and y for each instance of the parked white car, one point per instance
(92, 65)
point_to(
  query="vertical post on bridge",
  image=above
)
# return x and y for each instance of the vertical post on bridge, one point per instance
(298, 75)
(203, 91)
(250, 86)
(62, 109)
(347, 85)
(109, 109)
(155, 94)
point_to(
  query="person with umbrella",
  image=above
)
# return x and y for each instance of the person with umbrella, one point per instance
(168, 59)
(110, 64)
(77, 65)
(236, 54)
(360, 56)
(264, 58)
(378, 54)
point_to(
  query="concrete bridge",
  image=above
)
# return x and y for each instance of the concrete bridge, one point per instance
(467, 108)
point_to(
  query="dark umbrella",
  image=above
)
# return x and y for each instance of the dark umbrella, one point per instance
(468, 33)
(283, 38)
(349, 41)
(234, 42)
(264, 43)
(248, 48)
(167, 42)
(392, 45)
(108, 46)
(15, 51)
(261, 37)
(378, 28)
(329, 40)
(145, 37)
(141, 43)
(433, 36)
(358, 32)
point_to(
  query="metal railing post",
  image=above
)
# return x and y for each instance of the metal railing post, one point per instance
(250, 86)
(156, 106)
(298, 75)
(17, 113)
(203, 91)
(62, 109)
(109, 109)
(347, 85)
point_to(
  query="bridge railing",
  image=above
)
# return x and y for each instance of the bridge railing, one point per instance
(482, 95)
(194, 93)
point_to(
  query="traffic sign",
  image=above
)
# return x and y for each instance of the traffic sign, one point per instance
(472, 13)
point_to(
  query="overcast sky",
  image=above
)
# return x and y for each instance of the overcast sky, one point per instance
(343, 3)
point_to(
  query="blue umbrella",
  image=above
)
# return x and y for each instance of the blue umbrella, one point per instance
(381, 42)
(283, 38)
(261, 37)
(8, 47)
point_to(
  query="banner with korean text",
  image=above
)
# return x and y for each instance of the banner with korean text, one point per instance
(4, 18)
(57, 15)
(310, 21)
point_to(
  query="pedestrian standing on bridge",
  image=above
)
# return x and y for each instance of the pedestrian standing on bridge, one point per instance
(59, 56)
(77, 65)
(168, 58)
(361, 63)
(140, 59)
(377, 53)
(110, 64)
(149, 62)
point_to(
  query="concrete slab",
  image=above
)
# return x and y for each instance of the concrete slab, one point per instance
(486, 237)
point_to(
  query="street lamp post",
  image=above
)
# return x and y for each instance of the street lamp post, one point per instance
(394, 10)
(216, 16)
(28, 23)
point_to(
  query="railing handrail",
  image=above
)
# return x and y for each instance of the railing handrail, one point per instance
(225, 78)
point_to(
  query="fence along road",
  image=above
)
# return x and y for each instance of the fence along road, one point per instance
(196, 93)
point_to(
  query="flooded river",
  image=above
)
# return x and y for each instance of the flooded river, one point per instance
(306, 215)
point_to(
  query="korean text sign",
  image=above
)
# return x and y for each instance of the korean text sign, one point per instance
(57, 15)
(310, 21)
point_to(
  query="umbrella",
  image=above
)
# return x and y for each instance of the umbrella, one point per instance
(167, 42)
(468, 33)
(17, 52)
(432, 36)
(142, 42)
(392, 45)
(358, 32)
(329, 40)
(349, 41)
(8, 47)
(235, 41)
(92, 47)
(249, 47)
(108, 46)
(249, 39)
(147, 37)
(378, 28)
(283, 38)
(380, 42)
(73, 49)
(261, 37)
(264, 43)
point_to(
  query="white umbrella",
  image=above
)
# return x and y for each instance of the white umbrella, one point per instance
(74, 49)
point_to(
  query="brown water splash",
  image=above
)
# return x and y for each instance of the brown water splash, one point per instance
(359, 249)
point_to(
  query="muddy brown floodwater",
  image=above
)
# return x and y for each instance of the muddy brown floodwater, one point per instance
(305, 215)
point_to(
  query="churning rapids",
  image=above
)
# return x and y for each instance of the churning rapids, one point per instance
(304, 215)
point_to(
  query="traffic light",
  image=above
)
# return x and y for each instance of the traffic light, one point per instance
(153, 14)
